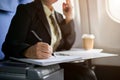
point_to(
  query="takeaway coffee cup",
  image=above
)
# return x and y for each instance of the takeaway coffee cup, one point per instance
(88, 41)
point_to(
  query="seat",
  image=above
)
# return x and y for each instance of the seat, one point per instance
(7, 11)
(13, 70)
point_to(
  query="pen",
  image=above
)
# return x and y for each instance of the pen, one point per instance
(36, 35)
(62, 54)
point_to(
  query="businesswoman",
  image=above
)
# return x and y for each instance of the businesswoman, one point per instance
(33, 33)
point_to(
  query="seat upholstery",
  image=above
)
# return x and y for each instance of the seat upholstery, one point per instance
(7, 11)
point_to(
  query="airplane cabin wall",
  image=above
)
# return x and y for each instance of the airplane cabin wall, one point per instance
(106, 30)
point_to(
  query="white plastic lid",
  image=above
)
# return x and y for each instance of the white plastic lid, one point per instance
(88, 36)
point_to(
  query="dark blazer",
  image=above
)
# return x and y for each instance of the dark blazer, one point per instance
(32, 17)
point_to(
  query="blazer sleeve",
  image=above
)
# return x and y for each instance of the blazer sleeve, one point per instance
(68, 34)
(15, 44)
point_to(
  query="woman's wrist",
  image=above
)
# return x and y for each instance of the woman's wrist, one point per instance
(68, 19)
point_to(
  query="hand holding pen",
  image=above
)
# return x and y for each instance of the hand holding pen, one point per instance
(40, 50)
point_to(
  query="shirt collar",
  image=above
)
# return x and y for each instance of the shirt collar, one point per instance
(48, 12)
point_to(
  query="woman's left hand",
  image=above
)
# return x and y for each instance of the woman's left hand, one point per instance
(67, 10)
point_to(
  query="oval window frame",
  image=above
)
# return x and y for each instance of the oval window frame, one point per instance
(112, 16)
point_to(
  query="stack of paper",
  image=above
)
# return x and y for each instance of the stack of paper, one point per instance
(67, 56)
(50, 61)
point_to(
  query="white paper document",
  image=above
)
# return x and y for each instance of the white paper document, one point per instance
(77, 52)
(85, 54)
(50, 61)
(67, 56)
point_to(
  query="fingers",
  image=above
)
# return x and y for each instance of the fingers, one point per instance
(44, 47)
(39, 51)
(67, 6)
(43, 50)
(68, 2)
(42, 55)
(68, 11)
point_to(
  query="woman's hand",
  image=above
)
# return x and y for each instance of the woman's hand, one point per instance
(67, 10)
(40, 50)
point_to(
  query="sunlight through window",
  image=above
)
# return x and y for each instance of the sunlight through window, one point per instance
(113, 9)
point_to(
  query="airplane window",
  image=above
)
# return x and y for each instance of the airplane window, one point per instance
(113, 9)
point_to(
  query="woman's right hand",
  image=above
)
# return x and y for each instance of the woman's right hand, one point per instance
(40, 50)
